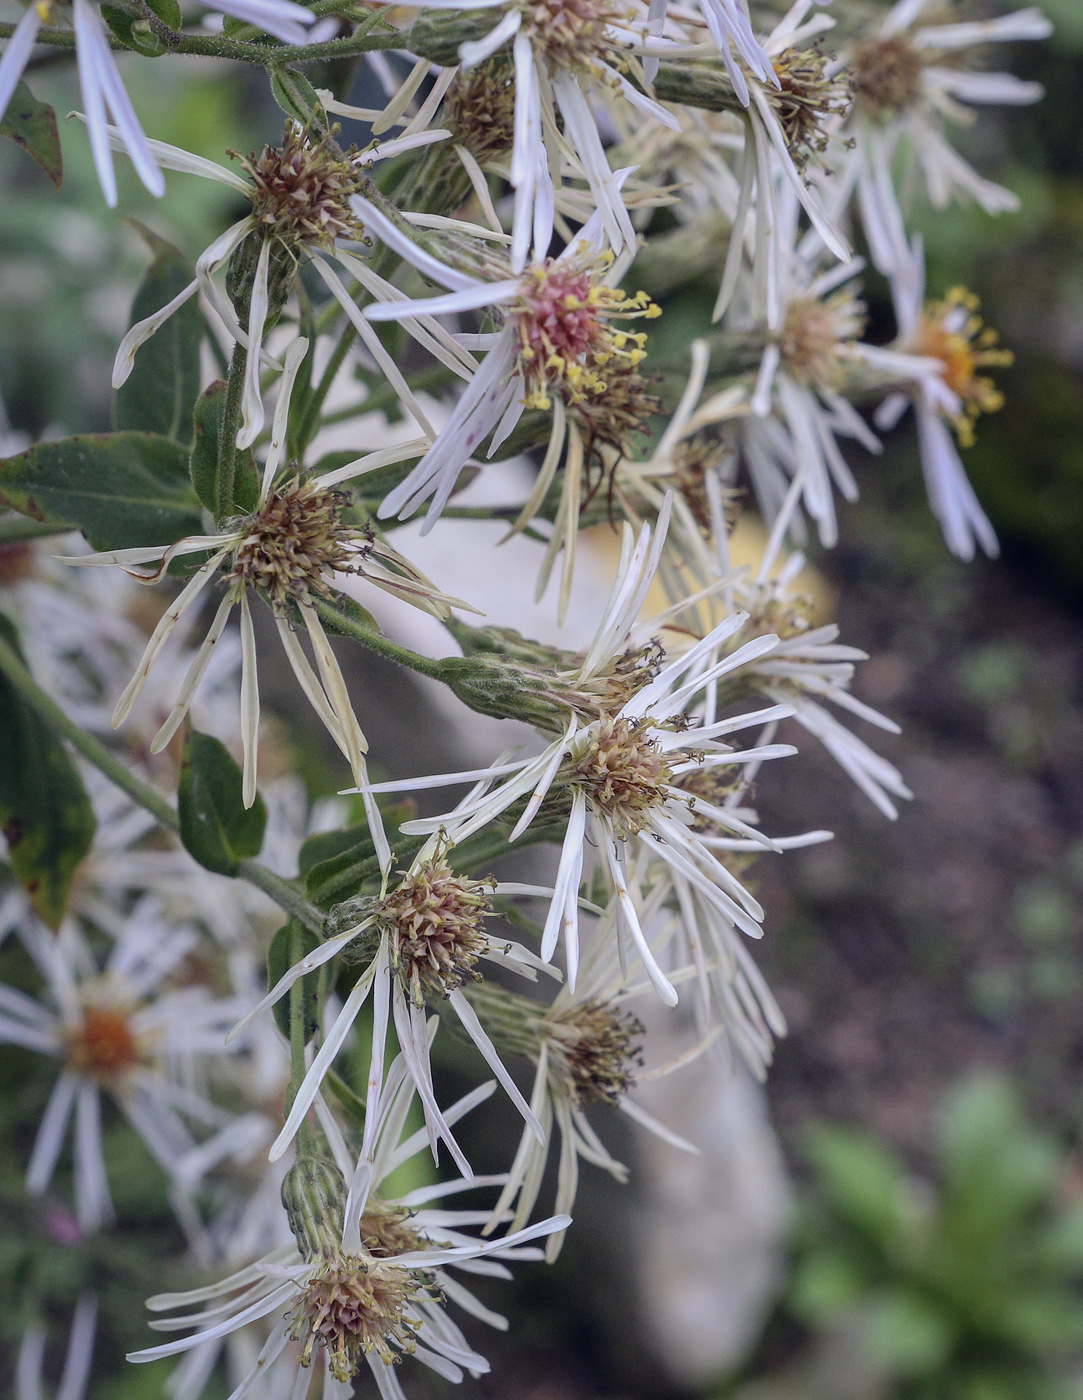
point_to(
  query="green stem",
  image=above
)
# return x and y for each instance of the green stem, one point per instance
(240, 51)
(297, 1023)
(376, 641)
(283, 894)
(225, 479)
(310, 423)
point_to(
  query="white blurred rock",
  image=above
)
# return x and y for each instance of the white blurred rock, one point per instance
(711, 1249)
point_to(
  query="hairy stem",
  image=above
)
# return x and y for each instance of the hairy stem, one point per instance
(225, 479)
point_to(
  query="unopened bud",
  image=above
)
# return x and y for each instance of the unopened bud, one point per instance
(314, 1194)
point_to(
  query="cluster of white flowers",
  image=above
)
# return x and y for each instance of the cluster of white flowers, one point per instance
(427, 301)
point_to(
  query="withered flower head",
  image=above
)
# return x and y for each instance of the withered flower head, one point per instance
(434, 921)
(293, 545)
(625, 773)
(302, 189)
(594, 1051)
(353, 1306)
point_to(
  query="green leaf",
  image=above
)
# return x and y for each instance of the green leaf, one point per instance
(160, 393)
(133, 31)
(32, 125)
(44, 810)
(120, 489)
(215, 826)
(297, 97)
(207, 420)
(290, 944)
(327, 845)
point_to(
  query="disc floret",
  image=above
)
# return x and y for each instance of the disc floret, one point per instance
(817, 335)
(301, 190)
(625, 773)
(887, 76)
(808, 96)
(103, 1044)
(572, 34)
(293, 545)
(434, 922)
(566, 342)
(953, 332)
(594, 1051)
(352, 1306)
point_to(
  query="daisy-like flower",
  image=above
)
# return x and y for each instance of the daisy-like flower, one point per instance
(798, 407)
(952, 396)
(288, 551)
(420, 943)
(782, 129)
(300, 193)
(30, 1363)
(339, 1308)
(808, 665)
(561, 50)
(124, 1028)
(618, 780)
(99, 79)
(256, 1230)
(586, 1048)
(561, 348)
(916, 72)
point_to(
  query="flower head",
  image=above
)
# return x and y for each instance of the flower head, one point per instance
(953, 332)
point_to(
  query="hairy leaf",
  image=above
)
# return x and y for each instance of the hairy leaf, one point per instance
(44, 810)
(120, 489)
(215, 826)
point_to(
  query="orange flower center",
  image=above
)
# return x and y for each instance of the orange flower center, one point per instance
(104, 1045)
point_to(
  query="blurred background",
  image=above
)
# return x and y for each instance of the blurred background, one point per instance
(899, 1213)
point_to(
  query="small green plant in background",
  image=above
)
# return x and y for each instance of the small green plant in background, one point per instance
(966, 1286)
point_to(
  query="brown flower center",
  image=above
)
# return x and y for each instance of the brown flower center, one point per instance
(434, 919)
(479, 109)
(293, 546)
(886, 75)
(302, 190)
(806, 98)
(816, 334)
(354, 1306)
(572, 33)
(594, 1052)
(625, 773)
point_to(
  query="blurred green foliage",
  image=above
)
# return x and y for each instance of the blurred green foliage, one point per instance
(965, 1286)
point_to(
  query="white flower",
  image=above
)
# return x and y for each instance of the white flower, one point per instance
(558, 349)
(952, 395)
(586, 1051)
(342, 1309)
(299, 192)
(123, 1029)
(422, 941)
(909, 78)
(288, 550)
(625, 776)
(100, 82)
